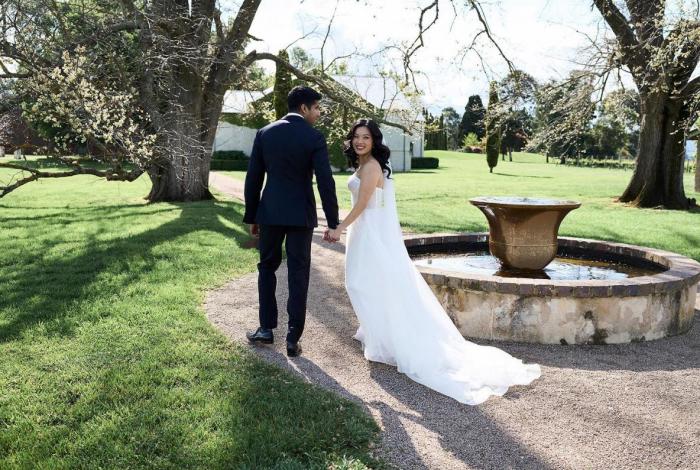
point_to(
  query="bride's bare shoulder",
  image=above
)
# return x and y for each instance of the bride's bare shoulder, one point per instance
(372, 167)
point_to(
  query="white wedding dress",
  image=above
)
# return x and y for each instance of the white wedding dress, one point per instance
(401, 321)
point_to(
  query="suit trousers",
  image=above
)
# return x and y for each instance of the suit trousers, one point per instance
(297, 241)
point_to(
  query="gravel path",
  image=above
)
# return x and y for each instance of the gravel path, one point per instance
(626, 406)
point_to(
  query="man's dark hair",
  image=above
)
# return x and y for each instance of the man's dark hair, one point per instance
(302, 95)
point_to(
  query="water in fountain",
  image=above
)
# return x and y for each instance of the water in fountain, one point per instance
(481, 262)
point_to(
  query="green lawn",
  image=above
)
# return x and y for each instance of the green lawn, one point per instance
(108, 360)
(437, 200)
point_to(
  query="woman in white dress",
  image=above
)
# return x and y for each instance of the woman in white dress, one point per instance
(401, 321)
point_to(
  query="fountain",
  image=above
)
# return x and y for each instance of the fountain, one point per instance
(521, 282)
(523, 231)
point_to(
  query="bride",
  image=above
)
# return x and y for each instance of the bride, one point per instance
(401, 321)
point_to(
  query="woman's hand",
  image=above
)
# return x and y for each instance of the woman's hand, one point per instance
(335, 233)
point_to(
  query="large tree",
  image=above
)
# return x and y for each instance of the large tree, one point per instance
(473, 118)
(659, 45)
(451, 124)
(172, 60)
(515, 129)
(516, 100)
(563, 113)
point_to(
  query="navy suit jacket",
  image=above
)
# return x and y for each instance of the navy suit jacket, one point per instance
(289, 152)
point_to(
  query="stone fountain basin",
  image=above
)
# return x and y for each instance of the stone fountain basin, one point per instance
(565, 312)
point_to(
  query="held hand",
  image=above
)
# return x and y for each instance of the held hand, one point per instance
(255, 230)
(334, 234)
(327, 236)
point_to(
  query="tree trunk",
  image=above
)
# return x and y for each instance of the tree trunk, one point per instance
(183, 174)
(658, 175)
(182, 180)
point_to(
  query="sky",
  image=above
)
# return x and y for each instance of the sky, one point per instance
(541, 37)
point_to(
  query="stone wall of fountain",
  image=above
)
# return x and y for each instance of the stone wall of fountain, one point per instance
(565, 311)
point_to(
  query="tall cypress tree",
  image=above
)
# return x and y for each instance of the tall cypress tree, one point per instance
(473, 118)
(493, 134)
(283, 85)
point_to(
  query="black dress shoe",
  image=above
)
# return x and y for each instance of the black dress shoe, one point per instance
(261, 335)
(293, 349)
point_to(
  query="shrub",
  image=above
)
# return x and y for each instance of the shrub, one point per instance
(424, 163)
(471, 140)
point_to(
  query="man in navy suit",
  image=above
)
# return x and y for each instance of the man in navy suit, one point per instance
(288, 152)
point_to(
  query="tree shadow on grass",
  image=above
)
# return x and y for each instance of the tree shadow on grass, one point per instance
(142, 387)
(46, 289)
(87, 214)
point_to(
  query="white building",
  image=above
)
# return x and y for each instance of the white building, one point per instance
(380, 92)
(230, 136)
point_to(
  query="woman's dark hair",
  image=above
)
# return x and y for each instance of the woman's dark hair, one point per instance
(302, 95)
(379, 151)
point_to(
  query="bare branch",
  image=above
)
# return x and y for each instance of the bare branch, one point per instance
(328, 32)
(635, 56)
(110, 175)
(618, 23)
(340, 57)
(323, 84)
(418, 42)
(482, 19)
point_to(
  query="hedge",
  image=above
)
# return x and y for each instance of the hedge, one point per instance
(611, 163)
(229, 165)
(229, 155)
(424, 163)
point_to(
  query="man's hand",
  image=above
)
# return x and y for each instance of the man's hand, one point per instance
(331, 235)
(255, 230)
(326, 238)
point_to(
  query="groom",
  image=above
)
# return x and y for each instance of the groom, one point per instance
(288, 152)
